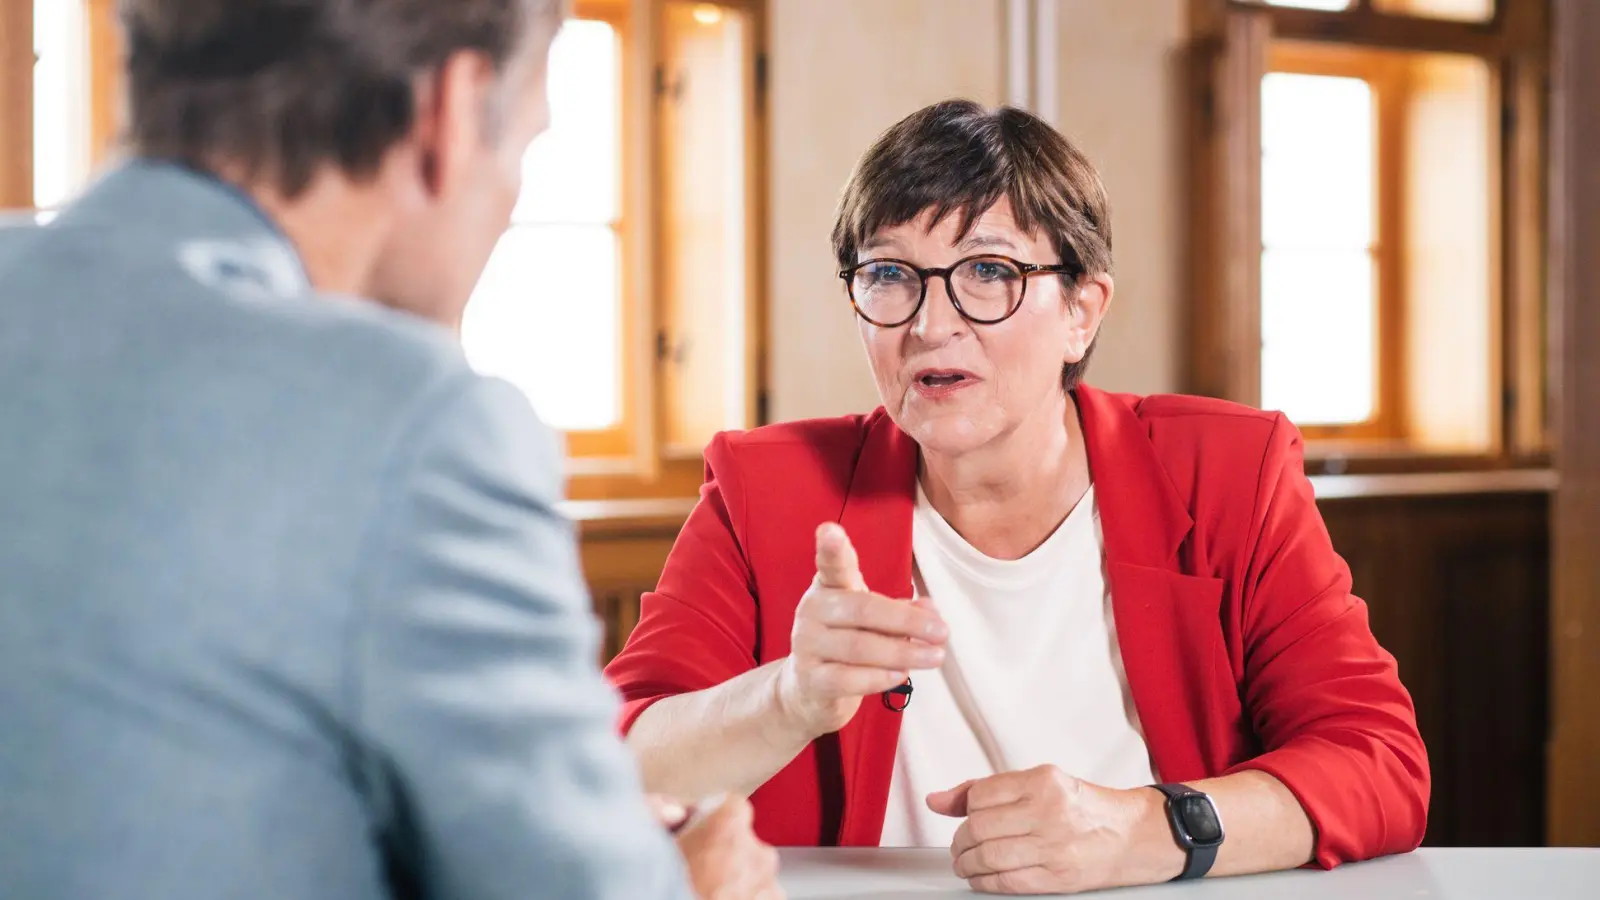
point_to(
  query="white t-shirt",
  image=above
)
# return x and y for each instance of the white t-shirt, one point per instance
(1032, 674)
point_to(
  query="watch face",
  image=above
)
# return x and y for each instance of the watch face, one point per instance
(1199, 818)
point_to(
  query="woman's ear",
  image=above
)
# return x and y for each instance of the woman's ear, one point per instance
(1088, 299)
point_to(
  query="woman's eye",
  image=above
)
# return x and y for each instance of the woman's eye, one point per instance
(886, 274)
(990, 271)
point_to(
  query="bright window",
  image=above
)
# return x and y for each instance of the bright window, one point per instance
(60, 101)
(624, 297)
(1318, 281)
(1459, 10)
(1312, 4)
(1370, 243)
(546, 314)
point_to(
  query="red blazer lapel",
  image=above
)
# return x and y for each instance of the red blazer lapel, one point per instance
(1165, 620)
(1142, 518)
(877, 516)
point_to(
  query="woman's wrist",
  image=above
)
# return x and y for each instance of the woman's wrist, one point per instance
(1152, 854)
(787, 726)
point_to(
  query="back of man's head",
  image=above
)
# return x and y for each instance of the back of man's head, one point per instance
(278, 88)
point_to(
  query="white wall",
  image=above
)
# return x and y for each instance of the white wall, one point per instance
(844, 70)
(1122, 67)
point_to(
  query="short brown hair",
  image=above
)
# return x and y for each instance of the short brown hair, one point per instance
(282, 87)
(960, 157)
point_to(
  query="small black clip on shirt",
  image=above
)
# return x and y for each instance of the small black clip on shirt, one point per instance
(898, 698)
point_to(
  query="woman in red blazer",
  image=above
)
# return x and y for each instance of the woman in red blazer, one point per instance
(781, 659)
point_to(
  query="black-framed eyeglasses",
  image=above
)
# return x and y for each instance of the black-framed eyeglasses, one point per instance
(985, 289)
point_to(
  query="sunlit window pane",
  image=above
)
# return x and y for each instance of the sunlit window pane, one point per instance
(60, 101)
(1458, 10)
(546, 313)
(544, 317)
(1317, 329)
(1312, 4)
(1318, 319)
(1317, 161)
(571, 172)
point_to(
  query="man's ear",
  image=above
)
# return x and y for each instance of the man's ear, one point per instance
(450, 122)
(1088, 300)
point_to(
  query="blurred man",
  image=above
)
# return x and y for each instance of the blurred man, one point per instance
(285, 608)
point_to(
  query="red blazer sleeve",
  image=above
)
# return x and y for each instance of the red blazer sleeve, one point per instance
(697, 629)
(1336, 725)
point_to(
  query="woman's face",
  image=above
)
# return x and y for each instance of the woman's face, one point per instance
(954, 386)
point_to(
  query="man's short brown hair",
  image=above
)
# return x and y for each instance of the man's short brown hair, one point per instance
(282, 87)
(958, 157)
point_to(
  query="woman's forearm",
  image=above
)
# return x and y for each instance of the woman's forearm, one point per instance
(1266, 828)
(729, 738)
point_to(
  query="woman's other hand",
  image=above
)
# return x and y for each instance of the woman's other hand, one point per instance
(1042, 831)
(849, 643)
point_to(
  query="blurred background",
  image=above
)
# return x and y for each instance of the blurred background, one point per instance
(1379, 216)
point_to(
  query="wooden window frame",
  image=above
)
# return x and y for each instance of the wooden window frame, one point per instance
(1232, 47)
(1573, 791)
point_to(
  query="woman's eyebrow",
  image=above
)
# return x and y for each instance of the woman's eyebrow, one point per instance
(981, 241)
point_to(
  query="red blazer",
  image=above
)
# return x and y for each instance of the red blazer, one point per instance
(1243, 646)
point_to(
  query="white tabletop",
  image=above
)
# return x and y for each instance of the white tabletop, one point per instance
(1437, 874)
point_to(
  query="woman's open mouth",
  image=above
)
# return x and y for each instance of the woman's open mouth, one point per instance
(942, 382)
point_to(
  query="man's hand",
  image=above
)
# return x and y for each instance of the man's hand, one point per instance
(849, 643)
(1043, 831)
(726, 860)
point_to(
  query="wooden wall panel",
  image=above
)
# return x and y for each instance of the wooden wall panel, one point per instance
(621, 563)
(1574, 787)
(1458, 589)
(1225, 207)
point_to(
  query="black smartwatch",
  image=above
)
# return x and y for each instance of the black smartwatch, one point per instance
(1195, 826)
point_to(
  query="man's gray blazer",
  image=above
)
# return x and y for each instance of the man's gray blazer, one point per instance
(285, 609)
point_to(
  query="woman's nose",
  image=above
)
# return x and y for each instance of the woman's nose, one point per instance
(938, 320)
